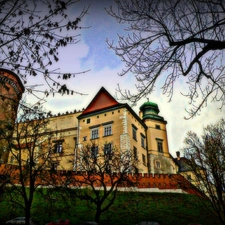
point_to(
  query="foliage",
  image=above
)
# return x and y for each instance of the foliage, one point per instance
(28, 148)
(171, 39)
(206, 157)
(166, 208)
(100, 174)
(32, 33)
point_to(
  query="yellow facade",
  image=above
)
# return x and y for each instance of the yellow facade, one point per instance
(120, 121)
(64, 130)
(107, 121)
(58, 138)
(142, 135)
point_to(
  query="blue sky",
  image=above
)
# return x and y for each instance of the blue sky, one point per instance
(92, 53)
(102, 27)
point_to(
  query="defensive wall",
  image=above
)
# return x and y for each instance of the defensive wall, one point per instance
(174, 183)
(144, 182)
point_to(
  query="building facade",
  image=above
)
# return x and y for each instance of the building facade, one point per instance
(108, 125)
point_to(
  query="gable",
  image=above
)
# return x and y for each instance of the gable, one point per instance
(101, 101)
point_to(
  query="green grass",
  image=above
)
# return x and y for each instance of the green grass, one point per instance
(129, 208)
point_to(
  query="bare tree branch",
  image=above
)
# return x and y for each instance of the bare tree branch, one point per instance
(173, 39)
(31, 35)
(100, 173)
(206, 155)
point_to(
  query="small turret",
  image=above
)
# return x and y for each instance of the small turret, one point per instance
(157, 143)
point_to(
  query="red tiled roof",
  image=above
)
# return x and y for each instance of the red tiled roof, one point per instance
(101, 101)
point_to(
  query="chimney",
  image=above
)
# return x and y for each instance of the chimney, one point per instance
(178, 155)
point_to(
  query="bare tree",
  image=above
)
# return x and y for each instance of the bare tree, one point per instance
(168, 40)
(29, 156)
(100, 173)
(32, 33)
(206, 158)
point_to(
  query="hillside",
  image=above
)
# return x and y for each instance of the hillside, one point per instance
(129, 208)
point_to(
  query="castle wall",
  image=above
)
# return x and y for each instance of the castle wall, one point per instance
(143, 182)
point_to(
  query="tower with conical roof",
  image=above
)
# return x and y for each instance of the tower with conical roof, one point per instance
(159, 158)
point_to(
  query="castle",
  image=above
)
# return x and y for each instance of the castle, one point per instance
(107, 123)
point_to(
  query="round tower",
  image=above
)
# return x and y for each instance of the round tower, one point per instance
(159, 158)
(11, 90)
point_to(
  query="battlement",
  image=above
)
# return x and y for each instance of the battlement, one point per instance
(136, 182)
(147, 182)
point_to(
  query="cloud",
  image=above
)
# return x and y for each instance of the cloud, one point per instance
(92, 53)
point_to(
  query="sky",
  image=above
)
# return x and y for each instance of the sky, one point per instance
(92, 53)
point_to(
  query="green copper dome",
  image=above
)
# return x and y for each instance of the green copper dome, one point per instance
(150, 105)
(150, 111)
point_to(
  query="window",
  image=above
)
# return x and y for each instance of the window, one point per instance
(88, 120)
(135, 153)
(159, 145)
(58, 147)
(108, 169)
(189, 177)
(54, 165)
(11, 159)
(94, 151)
(157, 126)
(142, 141)
(75, 141)
(158, 164)
(94, 133)
(143, 159)
(108, 150)
(36, 157)
(134, 132)
(108, 130)
(85, 138)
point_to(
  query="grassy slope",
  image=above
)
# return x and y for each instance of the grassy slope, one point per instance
(129, 208)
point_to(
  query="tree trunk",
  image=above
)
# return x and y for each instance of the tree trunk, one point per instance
(27, 222)
(27, 213)
(98, 214)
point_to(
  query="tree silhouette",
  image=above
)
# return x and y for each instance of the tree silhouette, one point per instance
(173, 42)
(32, 33)
(100, 172)
(206, 157)
(29, 150)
